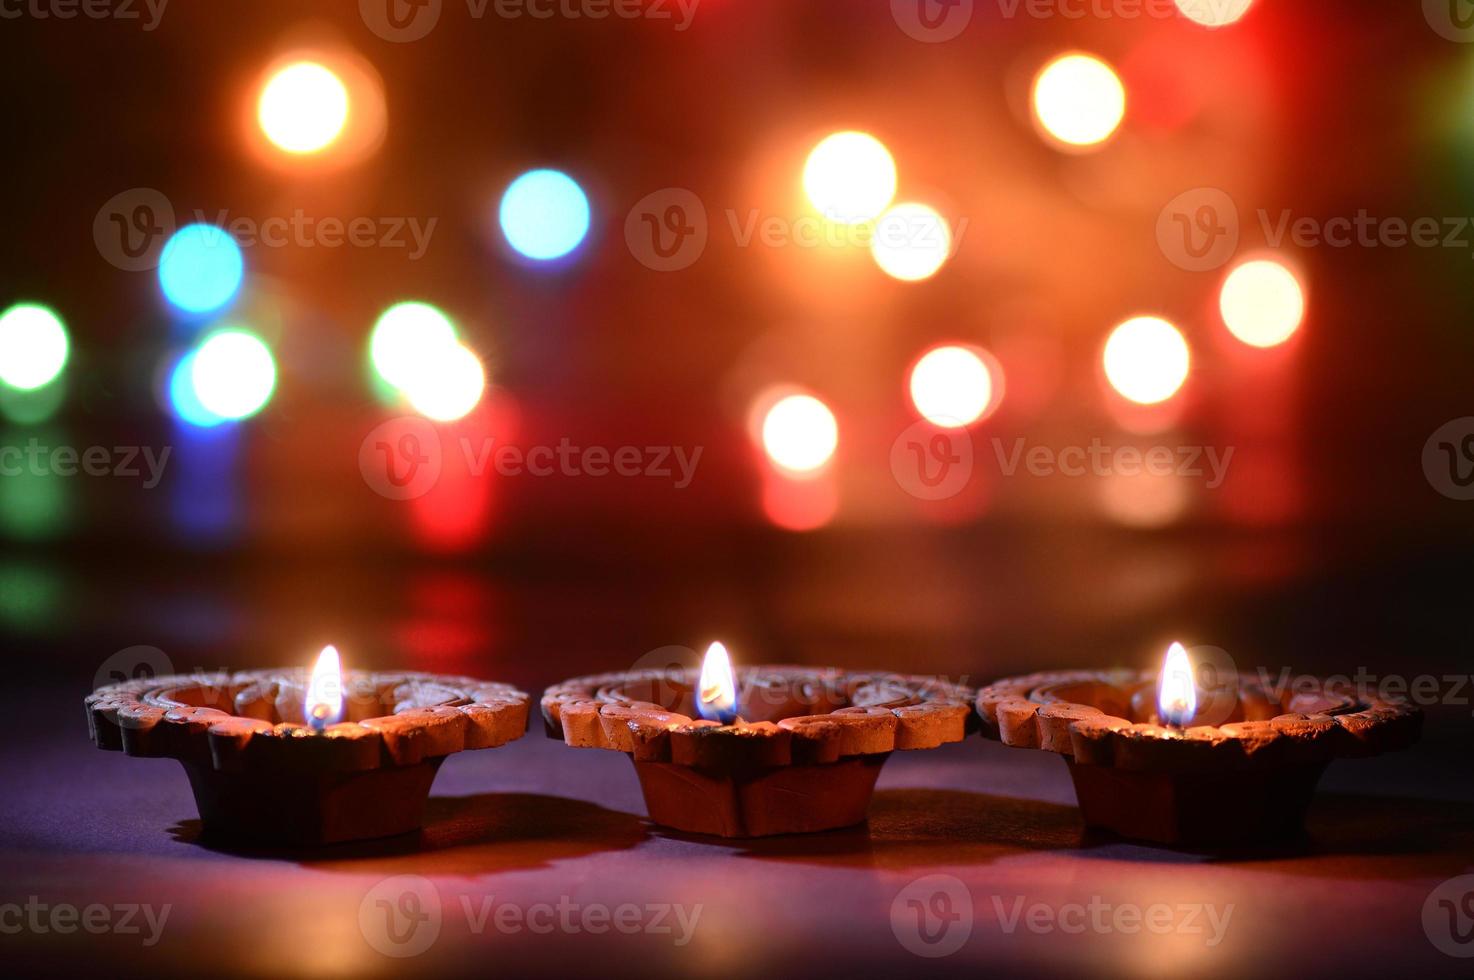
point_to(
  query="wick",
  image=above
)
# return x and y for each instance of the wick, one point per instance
(319, 718)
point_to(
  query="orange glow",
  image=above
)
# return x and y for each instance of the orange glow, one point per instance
(805, 503)
(850, 177)
(1262, 303)
(716, 692)
(1145, 500)
(911, 242)
(314, 108)
(800, 434)
(448, 384)
(953, 386)
(1214, 13)
(1146, 360)
(1177, 691)
(323, 704)
(1079, 100)
(303, 107)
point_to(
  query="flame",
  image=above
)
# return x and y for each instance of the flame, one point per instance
(324, 701)
(716, 693)
(1177, 691)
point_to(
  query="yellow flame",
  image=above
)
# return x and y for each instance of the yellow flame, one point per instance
(324, 701)
(1177, 691)
(716, 693)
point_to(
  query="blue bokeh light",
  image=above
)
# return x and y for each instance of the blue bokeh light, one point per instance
(201, 268)
(544, 214)
(183, 399)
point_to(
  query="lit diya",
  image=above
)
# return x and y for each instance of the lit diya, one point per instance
(803, 754)
(271, 759)
(1146, 766)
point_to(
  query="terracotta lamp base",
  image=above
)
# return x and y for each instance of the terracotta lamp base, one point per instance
(804, 758)
(790, 800)
(321, 808)
(1196, 809)
(260, 777)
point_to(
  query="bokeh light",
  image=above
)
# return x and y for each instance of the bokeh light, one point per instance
(800, 434)
(1214, 13)
(201, 268)
(912, 241)
(1262, 303)
(544, 214)
(850, 177)
(1079, 100)
(233, 373)
(448, 384)
(407, 340)
(303, 107)
(1146, 360)
(33, 346)
(183, 401)
(952, 386)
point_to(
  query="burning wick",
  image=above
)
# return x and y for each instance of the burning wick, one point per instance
(324, 701)
(1177, 692)
(716, 692)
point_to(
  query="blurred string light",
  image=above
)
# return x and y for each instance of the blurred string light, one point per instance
(544, 214)
(1146, 360)
(850, 177)
(415, 349)
(33, 346)
(201, 268)
(911, 242)
(1079, 100)
(800, 434)
(1214, 13)
(303, 107)
(1262, 303)
(952, 386)
(230, 376)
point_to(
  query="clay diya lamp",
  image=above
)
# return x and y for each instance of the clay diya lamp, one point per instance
(802, 757)
(269, 761)
(1144, 768)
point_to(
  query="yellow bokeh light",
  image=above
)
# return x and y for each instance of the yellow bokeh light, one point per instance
(303, 107)
(1262, 303)
(1146, 360)
(1214, 13)
(850, 177)
(951, 386)
(448, 385)
(800, 434)
(1079, 100)
(911, 242)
